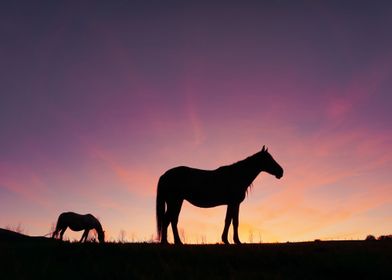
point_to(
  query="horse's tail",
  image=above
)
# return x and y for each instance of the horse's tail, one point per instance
(57, 228)
(160, 208)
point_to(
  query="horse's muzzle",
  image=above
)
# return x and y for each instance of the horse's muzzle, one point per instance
(280, 175)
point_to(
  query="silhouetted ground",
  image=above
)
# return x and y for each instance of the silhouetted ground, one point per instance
(12, 236)
(312, 260)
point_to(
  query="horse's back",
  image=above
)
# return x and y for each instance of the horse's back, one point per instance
(183, 175)
(66, 215)
(69, 214)
(183, 170)
(73, 218)
(91, 218)
(200, 187)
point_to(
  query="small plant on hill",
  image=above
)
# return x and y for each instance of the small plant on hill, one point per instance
(18, 228)
(370, 238)
(385, 237)
(122, 236)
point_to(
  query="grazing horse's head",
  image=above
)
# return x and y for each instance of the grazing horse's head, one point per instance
(101, 236)
(270, 165)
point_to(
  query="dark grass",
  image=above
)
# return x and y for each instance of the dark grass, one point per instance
(38, 259)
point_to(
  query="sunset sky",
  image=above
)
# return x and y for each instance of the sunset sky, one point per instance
(98, 99)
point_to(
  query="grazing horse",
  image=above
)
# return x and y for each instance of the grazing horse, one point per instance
(226, 185)
(78, 222)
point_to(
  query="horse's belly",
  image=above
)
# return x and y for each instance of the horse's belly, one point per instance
(76, 228)
(205, 204)
(212, 197)
(205, 201)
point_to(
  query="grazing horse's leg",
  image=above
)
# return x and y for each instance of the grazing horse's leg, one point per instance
(236, 210)
(84, 236)
(62, 233)
(174, 213)
(229, 216)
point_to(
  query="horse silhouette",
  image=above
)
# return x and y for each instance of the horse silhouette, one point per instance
(226, 185)
(78, 222)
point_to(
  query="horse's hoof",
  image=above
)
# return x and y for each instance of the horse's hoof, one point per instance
(225, 241)
(238, 242)
(177, 241)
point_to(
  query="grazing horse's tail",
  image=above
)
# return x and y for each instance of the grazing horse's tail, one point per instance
(160, 208)
(56, 231)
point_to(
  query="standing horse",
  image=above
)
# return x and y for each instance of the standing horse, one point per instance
(77, 222)
(226, 185)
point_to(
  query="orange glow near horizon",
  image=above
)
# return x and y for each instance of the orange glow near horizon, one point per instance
(92, 114)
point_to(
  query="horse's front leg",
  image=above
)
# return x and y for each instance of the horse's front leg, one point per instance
(236, 211)
(175, 212)
(229, 216)
(62, 233)
(84, 236)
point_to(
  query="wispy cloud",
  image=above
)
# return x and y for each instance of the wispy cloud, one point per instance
(26, 183)
(134, 178)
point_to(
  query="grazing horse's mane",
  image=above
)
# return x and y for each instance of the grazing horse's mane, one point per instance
(99, 227)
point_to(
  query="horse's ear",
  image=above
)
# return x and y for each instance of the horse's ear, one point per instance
(266, 150)
(263, 150)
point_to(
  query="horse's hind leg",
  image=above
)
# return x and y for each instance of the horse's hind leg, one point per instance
(55, 233)
(62, 233)
(229, 217)
(166, 222)
(174, 213)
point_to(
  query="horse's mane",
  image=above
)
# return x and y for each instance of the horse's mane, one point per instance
(244, 164)
(98, 222)
(241, 163)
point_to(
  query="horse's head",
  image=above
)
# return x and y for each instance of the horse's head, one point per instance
(270, 165)
(101, 236)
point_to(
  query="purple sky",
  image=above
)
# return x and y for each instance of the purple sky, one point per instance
(98, 99)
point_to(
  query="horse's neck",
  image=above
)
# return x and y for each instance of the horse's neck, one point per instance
(246, 171)
(97, 225)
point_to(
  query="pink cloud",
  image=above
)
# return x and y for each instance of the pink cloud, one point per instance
(25, 183)
(135, 179)
(362, 86)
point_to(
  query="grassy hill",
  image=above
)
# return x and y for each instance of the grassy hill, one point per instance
(40, 259)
